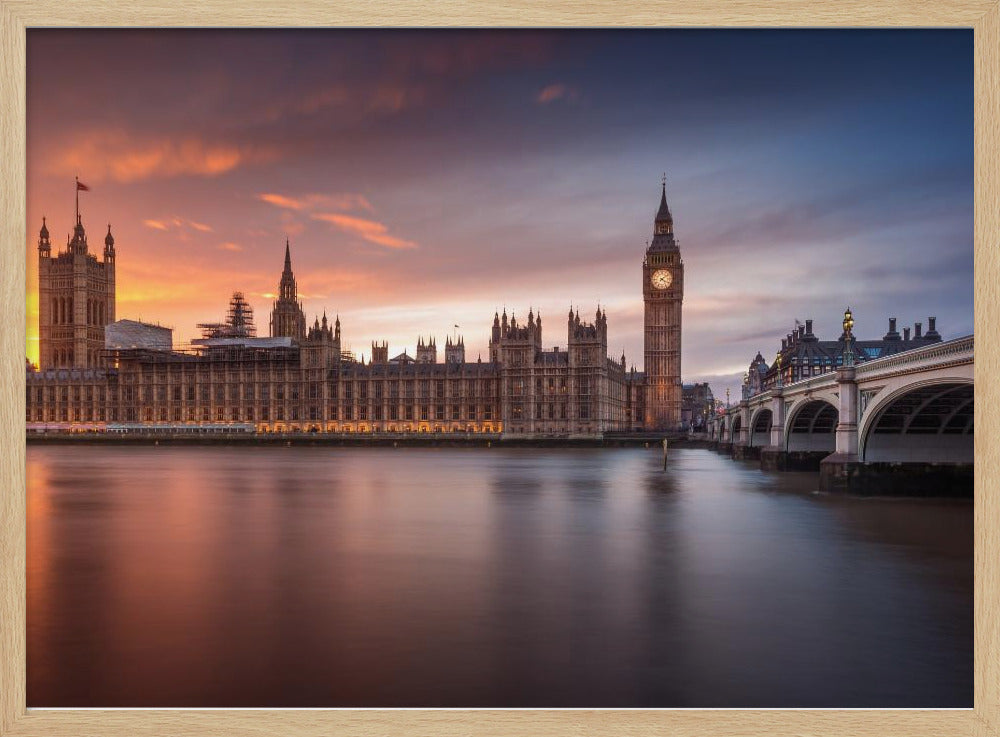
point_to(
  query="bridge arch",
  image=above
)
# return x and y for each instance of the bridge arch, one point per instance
(735, 425)
(811, 426)
(925, 422)
(760, 427)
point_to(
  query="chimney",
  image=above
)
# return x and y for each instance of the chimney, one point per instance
(802, 330)
(932, 333)
(809, 327)
(906, 333)
(892, 334)
(917, 327)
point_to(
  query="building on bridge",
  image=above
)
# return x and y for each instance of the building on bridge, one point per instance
(804, 355)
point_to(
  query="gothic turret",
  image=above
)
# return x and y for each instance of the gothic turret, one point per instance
(44, 244)
(109, 246)
(78, 243)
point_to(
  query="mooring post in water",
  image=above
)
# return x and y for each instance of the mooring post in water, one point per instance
(664, 454)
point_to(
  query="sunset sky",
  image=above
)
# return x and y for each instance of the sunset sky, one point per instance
(428, 178)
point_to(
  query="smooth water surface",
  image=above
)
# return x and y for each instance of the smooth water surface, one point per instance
(274, 576)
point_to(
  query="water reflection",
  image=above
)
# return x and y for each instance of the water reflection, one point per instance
(473, 577)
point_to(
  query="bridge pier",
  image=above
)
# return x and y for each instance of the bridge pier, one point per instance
(776, 459)
(745, 452)
(840, 474)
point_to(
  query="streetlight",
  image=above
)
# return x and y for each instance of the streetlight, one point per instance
(848, 337)
(777, 364)
(727, 397)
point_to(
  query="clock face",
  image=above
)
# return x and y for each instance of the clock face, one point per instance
(661, 279)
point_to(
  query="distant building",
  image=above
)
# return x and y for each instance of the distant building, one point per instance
(697, 403)
(126, 334)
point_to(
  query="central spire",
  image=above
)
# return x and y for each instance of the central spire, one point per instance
(287, 290)
(287, 317)
(663, 214)
(663, 228)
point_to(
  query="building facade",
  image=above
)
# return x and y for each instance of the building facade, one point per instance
(300, 380)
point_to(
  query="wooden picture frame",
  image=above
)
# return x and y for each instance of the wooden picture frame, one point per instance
(983, 16)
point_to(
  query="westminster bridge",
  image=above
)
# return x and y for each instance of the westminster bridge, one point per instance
(900, 422)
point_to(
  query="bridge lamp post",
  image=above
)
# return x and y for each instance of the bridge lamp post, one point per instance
(777, 364)
(848, 337)
(727, 397)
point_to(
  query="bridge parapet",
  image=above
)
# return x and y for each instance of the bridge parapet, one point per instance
(936, 355)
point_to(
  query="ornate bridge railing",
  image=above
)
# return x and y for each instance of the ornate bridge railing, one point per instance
(960, 350)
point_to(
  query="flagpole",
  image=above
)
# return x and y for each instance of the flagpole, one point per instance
(77, 200)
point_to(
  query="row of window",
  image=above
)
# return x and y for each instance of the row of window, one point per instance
(263, 414)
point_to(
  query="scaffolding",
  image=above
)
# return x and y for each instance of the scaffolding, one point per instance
(239, 321)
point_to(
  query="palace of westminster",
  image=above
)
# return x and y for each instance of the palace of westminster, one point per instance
(96, 373)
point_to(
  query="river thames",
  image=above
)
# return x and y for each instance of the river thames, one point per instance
(321, 576)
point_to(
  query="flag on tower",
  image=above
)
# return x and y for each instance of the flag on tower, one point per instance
(81, 187)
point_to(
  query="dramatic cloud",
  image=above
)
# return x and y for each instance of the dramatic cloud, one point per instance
(177, 223)
(345, 201)
(118, 156)
(370, 230)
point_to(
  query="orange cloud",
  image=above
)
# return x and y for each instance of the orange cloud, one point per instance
(178, 222)
(555, 92)
(116, 155)
(370, 230)
(344, 201)
(230, 246)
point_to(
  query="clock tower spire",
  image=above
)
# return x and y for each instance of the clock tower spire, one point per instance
(663, 295)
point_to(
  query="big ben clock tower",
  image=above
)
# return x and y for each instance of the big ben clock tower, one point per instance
(663, 294)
